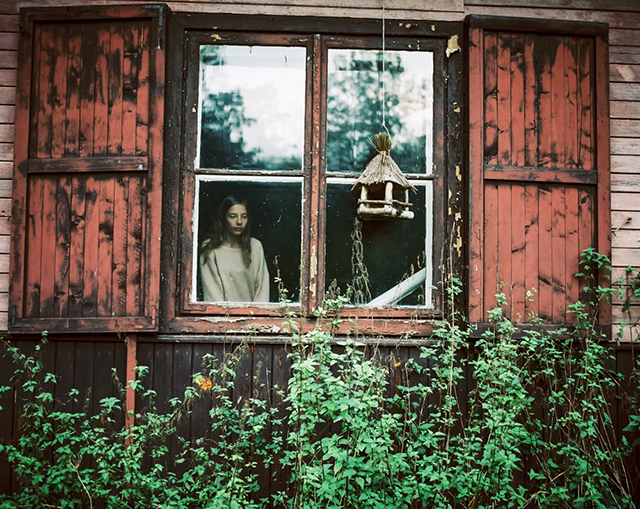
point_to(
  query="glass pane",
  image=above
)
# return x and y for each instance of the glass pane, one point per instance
(356, 87)
(388, 253)
(275, 219)
(251, 107)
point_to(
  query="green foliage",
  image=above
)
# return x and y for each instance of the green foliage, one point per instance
(69, 459)
(535, 429)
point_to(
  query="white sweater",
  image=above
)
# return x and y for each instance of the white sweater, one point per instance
(225, 278)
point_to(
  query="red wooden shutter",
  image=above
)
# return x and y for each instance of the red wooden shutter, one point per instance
(88, 166)
(538, 161)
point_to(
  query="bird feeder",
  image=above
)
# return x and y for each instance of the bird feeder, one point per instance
(384, 190)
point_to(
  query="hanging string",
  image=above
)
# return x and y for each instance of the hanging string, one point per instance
(384, 91)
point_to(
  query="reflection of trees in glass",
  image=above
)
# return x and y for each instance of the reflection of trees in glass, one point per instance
(222, 145)
(354, 111)
(250, 109)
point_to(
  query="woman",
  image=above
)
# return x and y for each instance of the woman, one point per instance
(232, 264)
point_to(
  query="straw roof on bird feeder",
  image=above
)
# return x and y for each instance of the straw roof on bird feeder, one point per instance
(382, 168)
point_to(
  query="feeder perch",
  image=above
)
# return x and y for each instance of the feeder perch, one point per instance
(384, 190)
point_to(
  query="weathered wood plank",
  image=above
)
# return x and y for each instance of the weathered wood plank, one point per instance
(490, 247)
(571, 102)
(601, 5)
(8, 77)
(200, 412)
(531, 249)
(504, 232)
(44, 77)
(7, 96)
(542, 58)
(101, 105)
(58, 94)
(624, 183)
(545, 239)
(88, 164)
(105, 247)
(620, 58)
(142, 96)
(517, 101)
(8, 39)
(129, 94)
(181, 378)
(76, 247)
(625, 164)
(120, 243)
(559, 131)
(6, 170)
(632, 315)
(135, 259)
(63, 241)
(34, 241)
(102, 373)
(47, 279)
(585, 112)
(7, 114)
(262, 370)
(625, 146)
(626, 200)
(624, 37)
(572, 249)
(490, 99)
(83, 373)
(6, 151)
(91, 235)
(87, 92)
(630, 219)
(75, 81)
(558, 255)
(8, 59)
(625, 109)
(115, 92)
(7, 132)
(503, 65)
(626, 238)
(585, 226)
(624, 72)
(518, 221)
(624, 92)
(625, 128)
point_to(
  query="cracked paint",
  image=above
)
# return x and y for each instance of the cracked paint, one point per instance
(452, 45)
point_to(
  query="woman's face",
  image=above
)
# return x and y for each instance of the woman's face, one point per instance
(237, 219)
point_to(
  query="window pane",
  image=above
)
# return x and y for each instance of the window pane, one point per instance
(275, 215)
(392, 250)
(356, 87)
(251, 107)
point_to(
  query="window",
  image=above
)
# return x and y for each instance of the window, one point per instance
(286, 123)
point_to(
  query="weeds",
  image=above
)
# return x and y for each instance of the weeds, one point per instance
(533, 429)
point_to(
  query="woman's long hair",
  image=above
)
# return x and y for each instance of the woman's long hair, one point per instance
(215, 239)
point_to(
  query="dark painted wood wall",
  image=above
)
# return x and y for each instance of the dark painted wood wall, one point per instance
(262, 371)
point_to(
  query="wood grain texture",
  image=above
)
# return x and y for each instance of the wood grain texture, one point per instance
(90, 170)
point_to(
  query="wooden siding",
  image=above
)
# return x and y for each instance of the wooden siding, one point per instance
(87, 366)
(262, 370)
(8, 64)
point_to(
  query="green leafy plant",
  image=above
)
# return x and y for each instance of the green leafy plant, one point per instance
(510, 418)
